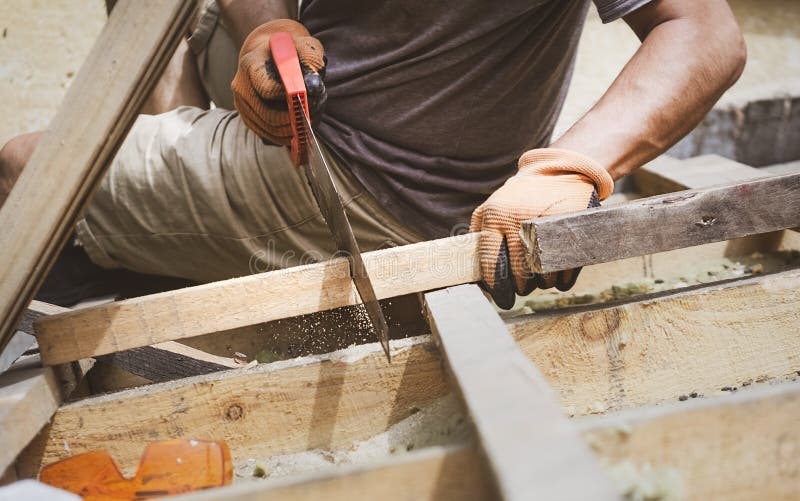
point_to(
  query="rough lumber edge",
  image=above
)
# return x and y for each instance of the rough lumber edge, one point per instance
(254, 299)
(326, 401)
(28, 398)
(98, 110)
(661, 223)
(532, 449)
(437, 473)
(736, 447)
(665, 345)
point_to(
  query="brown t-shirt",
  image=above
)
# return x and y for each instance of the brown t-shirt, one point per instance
(431, 102)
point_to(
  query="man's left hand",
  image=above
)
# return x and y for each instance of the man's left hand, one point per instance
(549, 181)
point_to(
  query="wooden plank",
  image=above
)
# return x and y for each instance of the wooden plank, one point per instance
(608, 358)
(667, 175)
(239, 302)
(661, 223)
(167, 361)
(737, 447)
(326, 401)
(740, 446)
(438, 473)
(28, 398)
(98, 109)
(532, 449)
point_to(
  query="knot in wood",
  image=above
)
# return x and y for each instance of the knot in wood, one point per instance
(234, 412)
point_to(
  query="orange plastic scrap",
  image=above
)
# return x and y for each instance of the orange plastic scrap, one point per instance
(168, 467)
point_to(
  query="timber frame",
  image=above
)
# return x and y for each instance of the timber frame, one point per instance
(691, 389)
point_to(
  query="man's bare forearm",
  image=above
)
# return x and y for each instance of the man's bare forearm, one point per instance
(691, 53)
(243, 16)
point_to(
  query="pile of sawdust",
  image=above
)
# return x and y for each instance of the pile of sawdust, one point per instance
(440, 423)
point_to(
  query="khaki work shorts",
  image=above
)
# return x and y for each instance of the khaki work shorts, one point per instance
(195, 194)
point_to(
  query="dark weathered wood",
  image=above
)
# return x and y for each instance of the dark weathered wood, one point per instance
(532, 448)
(99, 108)
(157, 364)
(662, 223)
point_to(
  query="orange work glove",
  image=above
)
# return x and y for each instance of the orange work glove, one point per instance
(258, 93)
(549, 181)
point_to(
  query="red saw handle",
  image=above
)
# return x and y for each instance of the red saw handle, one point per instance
(284, 54)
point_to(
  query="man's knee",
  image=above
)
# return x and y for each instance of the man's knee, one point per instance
(13, 157)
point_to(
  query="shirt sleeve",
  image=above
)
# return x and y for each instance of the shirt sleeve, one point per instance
(611, 10)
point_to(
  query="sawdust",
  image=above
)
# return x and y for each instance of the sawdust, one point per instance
(441, 423)
(646, 482)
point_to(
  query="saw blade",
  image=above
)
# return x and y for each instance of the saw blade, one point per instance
(330, 204)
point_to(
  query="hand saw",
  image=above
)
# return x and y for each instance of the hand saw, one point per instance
(305, 151)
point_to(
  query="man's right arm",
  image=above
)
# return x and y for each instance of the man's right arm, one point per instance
(243, 16)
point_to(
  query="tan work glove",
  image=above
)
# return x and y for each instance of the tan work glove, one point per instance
(258, 93)
(549, 181)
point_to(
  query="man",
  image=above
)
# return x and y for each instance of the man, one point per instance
(435, 116)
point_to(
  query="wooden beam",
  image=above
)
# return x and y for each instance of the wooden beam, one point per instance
(661, 223)
(28, 398)
(662, 346)
(438, 473)
(532, 449)
(326, 401)
(98, 109)
(239, 302)
(668, 175)
(597, 359)
(735, 447)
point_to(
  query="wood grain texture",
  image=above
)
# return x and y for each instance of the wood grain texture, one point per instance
(327, 401)
(98, 109)
(438, 473)
(239, 302)
(167, 361)
(736, 447)
(28, 398)
(532, 449)
(667, 345)
(661, 223)
(597, 359)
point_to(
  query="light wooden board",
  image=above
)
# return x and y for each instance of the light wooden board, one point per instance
(239, 302)
(98, 109)
(28, 398)
(326, 402)
(439, 473)
(740, 446)
(736, 447)
(661, 223)
(636, 354)
(667, 175)
(532, 449)
(667, 345)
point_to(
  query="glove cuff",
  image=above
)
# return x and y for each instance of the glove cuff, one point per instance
(558, 161)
